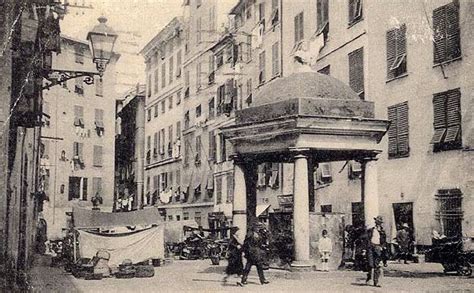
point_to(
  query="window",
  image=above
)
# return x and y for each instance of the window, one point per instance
(185, 216)
(155, 110)
(163, 75)
(220, 100)
(171, 70)
(356, 71)
(170, 140)
(97, 186)
(198, 111)
(178, 98)
(299, 27)
(45, 149)
(79, 87)
(186, 84)
(198, 150)
(212, 73)
(261, 12)
(78, 153)
(275, 18)
(157, 77)
(163, 106)
(178, 130)
(170, 102)
(450, 213)
(99, 87)
(170, 218)
(222, 148)
(198, 30)
(197, 218)
(79, 116)
(178, 63)
(178, 217)
(212, 146)
(446, 30)
(156, 143)
(322, 16)
(355, 11)
(148, 115)
(355, 170)
(198, 75)
(230, 188)
(77, 188)
(186, 120)
(211, 108)
(162, 141)
(326, 208)
(187, 150)
(447, 120)
(97, 156)
(275, 59)
(79, 54)
(218, 189)
(248, 100)
(149, 86)
(325, 174)
(398, 142)
(396, 52)
(325, 70)
(99, 121)
(261, 75)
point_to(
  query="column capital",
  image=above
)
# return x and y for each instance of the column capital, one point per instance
(299, 153)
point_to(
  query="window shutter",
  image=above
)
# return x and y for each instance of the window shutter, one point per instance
(391, 51)
(453, 115)
(439, 117)
(403, 129)
(157, 78)
(439, 31)
(275, 59)
(80, 148)
(352, 4)
(356, 71)
(296, 29)
(392, 131)
(453, 40)
(84, 188)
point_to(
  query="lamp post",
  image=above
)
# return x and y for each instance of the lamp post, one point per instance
(101, 41)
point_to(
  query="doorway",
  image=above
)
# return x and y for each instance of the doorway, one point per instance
(403, 213)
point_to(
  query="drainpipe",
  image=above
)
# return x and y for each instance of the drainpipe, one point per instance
(139, 147)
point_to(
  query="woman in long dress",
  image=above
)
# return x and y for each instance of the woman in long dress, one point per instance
(235, 265)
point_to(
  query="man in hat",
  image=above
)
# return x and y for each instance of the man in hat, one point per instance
(404, 242)
(254, 249)
(376, 241)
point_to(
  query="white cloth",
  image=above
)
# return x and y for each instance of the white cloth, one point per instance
(375, 237)
(325, 245)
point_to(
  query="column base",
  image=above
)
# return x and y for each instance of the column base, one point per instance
(301, 266)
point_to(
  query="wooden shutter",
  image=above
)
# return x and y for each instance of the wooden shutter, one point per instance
(275, 59)
(356, 71)
(171, 69)
(453, 115)
(84, 188)
(392, 131)
(296, 23)
(212, 146)
(352, 4)
(155, 143)
(322, 13)
(262, 67)
(402, 129)
(391, 51)
(453, 40)
(80, 148)
(439, 117)
(439, 31)
(230, 187)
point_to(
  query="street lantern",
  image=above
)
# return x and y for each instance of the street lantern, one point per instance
(102, 40)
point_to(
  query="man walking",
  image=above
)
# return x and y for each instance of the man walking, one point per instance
(254, 253)
(404, 242)
(376, 241)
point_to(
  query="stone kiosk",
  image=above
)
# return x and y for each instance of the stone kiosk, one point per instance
(305, 119)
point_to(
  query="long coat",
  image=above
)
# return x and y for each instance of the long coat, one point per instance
(253, 248)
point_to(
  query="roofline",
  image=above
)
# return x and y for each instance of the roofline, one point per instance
(176, 21)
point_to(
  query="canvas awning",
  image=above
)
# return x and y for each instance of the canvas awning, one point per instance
(88, 219)
(261, 209)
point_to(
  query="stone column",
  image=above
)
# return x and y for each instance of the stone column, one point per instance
(239, 211)
(301, 212)
(370, 192)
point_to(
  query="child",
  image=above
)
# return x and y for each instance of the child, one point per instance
(325, 249)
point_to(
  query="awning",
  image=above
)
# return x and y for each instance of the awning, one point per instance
(84, 219)
(261, 208)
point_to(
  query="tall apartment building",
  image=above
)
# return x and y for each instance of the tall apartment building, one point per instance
(78, 133)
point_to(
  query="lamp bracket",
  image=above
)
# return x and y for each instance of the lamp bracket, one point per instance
(57, 76)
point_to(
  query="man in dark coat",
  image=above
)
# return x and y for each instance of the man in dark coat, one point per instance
(377, 239)
(404, 242)
(254, 253)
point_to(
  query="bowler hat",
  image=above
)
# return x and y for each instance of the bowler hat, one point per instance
(378, 219)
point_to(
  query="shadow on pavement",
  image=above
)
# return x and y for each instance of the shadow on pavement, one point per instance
(408, 274)
(213, 270)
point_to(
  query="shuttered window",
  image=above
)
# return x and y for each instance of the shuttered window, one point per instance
(156, 143)
(212, 146)
(299, 27)
(230, 188)
(322, 16)
(157, 78)
(218, 189)
(171, 70)
(396, 52)
(261, 76)
(276, 59)
(149, 86)
(356, 71)
(355, 11)
(97, 156)
(163, 74)
(447, 120)
(398, 134)
(79, 116)
(446, 33)
(198, 150)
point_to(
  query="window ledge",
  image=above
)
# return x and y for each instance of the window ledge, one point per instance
(398, 77)
(447, 61)
(354, 22)
(394, 157)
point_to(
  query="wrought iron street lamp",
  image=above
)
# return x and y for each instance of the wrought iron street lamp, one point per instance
(101, 41)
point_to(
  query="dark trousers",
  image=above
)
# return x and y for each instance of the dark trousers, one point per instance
(247, 268)
(374, 257)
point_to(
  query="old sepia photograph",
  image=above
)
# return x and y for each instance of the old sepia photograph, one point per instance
(236, 146)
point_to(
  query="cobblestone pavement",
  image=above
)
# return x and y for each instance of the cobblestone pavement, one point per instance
(201, 276)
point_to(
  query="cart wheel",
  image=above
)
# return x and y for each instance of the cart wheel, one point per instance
(465, 269)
